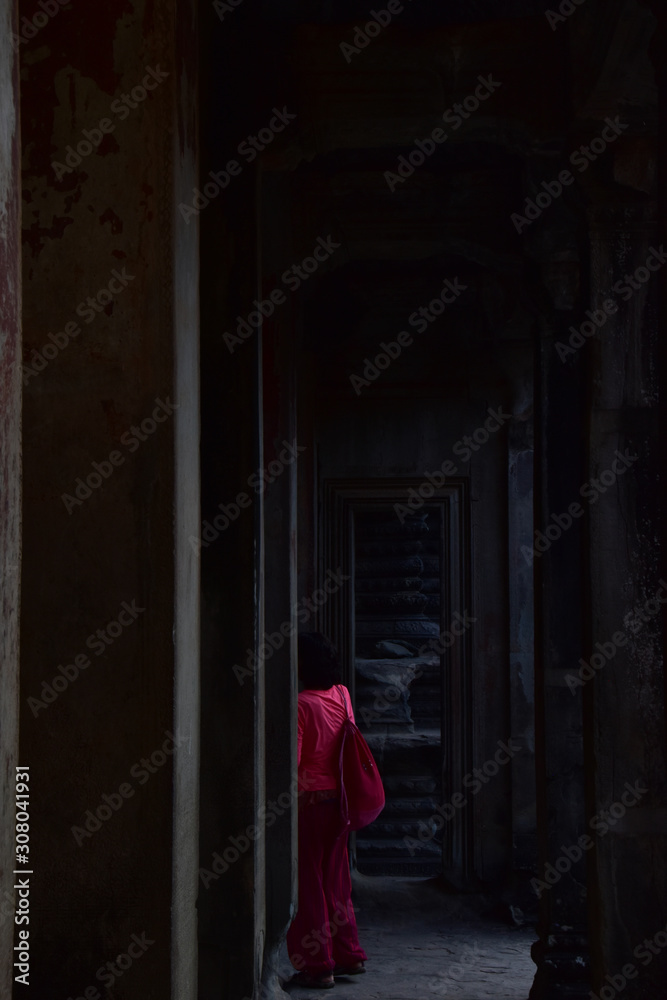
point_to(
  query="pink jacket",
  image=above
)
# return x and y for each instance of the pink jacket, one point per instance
(321, 716)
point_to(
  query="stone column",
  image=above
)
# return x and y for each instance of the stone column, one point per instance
(109, 652)
(187, 480)
(10, 469)
(282, 454)
(521, 624)
(560, 595)
(626, 691)
(231, 897)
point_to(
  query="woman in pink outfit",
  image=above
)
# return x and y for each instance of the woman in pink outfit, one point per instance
(322, 940)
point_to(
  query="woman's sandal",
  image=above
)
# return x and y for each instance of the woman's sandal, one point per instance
(325, 981)
(350, 970)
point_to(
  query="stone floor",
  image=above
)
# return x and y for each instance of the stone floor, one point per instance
(425, 943)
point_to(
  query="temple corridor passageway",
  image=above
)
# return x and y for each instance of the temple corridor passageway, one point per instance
(394, 280)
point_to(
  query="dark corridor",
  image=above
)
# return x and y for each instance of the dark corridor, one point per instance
(394, 277)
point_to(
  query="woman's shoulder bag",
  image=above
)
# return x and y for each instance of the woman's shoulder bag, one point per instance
(362, 794)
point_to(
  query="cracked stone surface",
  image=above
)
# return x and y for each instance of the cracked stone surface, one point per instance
(426, 943)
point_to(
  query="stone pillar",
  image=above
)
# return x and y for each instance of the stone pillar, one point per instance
(521, 624)
(626, 693)
(187, 479)
(10, 470)
(282, 454)
(561, 952)
(231, 905)
(109, 619)
(231, 892)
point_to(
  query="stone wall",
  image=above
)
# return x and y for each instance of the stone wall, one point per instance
(110, 630)
(10, 470)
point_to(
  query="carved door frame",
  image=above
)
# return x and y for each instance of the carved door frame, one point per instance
(339, 498)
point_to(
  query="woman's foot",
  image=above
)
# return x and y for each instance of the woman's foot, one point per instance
(349, 970)
(317, 981)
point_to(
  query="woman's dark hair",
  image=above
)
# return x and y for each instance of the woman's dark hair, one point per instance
(319, 668)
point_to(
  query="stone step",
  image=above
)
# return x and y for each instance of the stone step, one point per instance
(376, 667)
(411, 602)
(400, 867)
(402, 786)
(382, 584)
(392, 546)
(420, 719)
(425, 687)
(422, 564)
(415, 629)
(380, 525)
(408, 748)
(390, 566)
(398, 849)
(397, 829)
(398, 808)
(372, 721)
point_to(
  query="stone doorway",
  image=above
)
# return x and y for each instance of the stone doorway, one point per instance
(409, 673)
(398, 579)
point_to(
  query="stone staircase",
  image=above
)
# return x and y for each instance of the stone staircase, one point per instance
(398, 692)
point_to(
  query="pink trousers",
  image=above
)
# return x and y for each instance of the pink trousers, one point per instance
(324, 932)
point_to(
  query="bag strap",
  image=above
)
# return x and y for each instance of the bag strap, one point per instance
(339, 688)
(344, 808)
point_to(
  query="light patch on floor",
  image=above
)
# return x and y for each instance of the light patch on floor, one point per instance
(423, 943)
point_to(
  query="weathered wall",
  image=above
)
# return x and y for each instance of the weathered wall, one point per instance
(626, 609)
(10, 466)
(185, 256)
(600, 690)
(110, 345)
